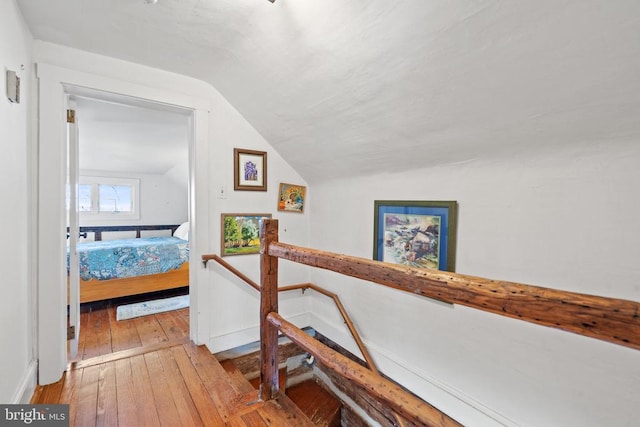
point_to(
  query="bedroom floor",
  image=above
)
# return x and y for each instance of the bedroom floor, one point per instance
(101, 333)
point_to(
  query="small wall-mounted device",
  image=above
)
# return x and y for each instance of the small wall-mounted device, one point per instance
(13, 87)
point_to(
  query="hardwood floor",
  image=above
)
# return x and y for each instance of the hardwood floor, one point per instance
(146, 372)
(101, 333)
(177, 385)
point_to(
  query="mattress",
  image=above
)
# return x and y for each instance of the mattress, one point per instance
(115, 259)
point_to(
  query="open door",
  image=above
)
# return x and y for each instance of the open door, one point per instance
(73, 331)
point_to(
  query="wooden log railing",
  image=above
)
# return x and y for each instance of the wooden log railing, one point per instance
(609, 319)
(403, 403)
(303, 287)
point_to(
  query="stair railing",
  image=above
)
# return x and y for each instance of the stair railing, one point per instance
(304, 286)
(609, 319)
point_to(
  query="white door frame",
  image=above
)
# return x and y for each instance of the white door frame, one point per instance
(53, 85)
(74, 227)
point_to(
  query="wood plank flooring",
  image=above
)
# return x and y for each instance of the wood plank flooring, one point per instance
(179, 385)
(146, 372)
(101, 333)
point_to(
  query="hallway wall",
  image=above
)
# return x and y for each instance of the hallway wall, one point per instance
(564, 218)
(227, 308)
(17, 367)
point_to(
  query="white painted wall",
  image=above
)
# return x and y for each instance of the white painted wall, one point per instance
(235, 313)
(164, 199)
(17, 366)
(564, 219)
(227, 311)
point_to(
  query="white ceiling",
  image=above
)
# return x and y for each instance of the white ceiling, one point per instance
(342, 87)
(117, 137)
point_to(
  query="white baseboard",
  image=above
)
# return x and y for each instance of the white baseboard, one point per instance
(448, 399)
(241, 337)
(28, 384)
(444, 397)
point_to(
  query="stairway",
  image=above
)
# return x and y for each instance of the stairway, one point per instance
(237, 400)
(170, 383)
(320, 406)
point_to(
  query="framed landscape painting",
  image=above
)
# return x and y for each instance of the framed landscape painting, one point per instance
(241, 233)
(249, 170)
(416, 233)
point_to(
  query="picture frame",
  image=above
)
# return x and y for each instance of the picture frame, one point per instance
(240, 233)
(291, 197)
(249, 170)
(416, 233)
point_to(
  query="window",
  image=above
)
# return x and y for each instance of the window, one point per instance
(108, 198)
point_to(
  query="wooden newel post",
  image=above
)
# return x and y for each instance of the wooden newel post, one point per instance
(268, 304)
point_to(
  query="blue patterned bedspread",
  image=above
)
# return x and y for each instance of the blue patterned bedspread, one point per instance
(113, 259)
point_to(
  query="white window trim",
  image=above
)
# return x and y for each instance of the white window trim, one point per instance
(95, 181)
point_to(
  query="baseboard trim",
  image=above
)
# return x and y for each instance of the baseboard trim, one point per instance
(223, 342)
(28, 384)
(467, 410)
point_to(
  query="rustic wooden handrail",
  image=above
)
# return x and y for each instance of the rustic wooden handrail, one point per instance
(303, 286)
(404, 404)
(238, 273)
(411, 408)
(347, 320)
(609, 319)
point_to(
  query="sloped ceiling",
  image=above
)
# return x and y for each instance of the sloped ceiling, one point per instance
(117, 137)
(353, 87)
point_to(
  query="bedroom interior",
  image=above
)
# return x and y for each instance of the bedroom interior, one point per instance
(133, 177)
(524, 113)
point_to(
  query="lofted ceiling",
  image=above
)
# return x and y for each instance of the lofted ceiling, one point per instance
(351, 87)
(119, 137)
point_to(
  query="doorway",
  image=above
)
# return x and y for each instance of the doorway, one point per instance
(55, 84)
(133, 172)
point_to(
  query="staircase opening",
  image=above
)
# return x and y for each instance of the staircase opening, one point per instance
(327, 399)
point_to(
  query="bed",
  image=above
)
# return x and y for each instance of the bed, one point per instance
(130, 266)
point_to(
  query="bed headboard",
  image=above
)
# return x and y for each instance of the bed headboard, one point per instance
(97, 230)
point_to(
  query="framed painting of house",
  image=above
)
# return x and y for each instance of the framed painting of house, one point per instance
(416, 233)
(240, 233)
(249, 170)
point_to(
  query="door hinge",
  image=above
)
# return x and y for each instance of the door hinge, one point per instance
(71, 333)
(71, 116)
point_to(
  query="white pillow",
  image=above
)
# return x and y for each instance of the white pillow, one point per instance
(182, 232)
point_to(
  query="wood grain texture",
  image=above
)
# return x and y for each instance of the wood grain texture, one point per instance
(101, 334)
(403, 403)
(98, 290)
(322, 408)
(178, 385)
(609, 319)
(268, 304)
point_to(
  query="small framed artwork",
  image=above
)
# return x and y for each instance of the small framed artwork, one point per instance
(249, 170)
(291, 197)
(240, 233)
(417, 233)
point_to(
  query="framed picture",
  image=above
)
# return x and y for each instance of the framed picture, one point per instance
(249, 170)
(240, 233)
(415, 233)
(291, 197)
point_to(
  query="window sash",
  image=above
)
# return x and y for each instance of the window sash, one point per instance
(108, 198)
